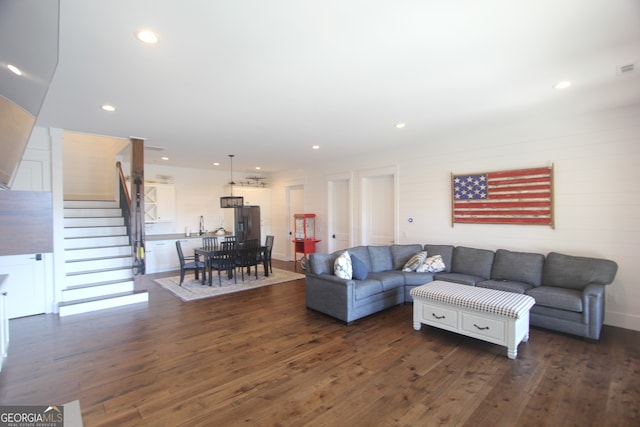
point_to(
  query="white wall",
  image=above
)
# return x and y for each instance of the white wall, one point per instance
(597, 196)
(198, 192)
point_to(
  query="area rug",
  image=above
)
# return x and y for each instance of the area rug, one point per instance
(194, 289)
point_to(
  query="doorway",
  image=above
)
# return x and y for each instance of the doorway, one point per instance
(378, 206)
(339, 208)
(295, 205)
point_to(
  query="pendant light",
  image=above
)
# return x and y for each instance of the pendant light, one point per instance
(231, 201)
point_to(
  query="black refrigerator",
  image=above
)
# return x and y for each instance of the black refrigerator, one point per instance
(247, 223)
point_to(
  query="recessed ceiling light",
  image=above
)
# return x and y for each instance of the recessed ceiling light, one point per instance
(14, 69)
(562, 85)
(146, 36)
(400, 125)
(258, 168)
(216, 163)
(316, 147)
(107, 107)
(164, 158)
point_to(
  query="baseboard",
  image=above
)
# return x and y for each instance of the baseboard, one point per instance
(622, 320)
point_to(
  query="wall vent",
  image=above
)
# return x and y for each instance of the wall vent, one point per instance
(626, 69)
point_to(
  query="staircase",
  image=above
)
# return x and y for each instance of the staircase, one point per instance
(98, 259)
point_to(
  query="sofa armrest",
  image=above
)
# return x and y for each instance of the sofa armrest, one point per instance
(593, 307)
(330, 295)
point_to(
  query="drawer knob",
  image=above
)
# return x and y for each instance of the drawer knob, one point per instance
(482, 328)
(438, 317)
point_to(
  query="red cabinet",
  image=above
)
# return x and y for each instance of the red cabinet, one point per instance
(304, 241)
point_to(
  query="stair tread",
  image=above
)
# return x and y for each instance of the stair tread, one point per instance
(96, 284)
(101, 298)
(110, 257)
(103, 270)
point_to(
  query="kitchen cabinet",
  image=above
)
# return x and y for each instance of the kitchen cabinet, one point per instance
(161, 255)
(159, 203)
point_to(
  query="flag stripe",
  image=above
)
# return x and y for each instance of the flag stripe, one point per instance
(510, 197)
(537, 221)
(503, 212)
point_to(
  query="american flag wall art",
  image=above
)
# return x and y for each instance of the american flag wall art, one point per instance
(522, 196)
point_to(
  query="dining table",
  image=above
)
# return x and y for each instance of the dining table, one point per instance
(208, 253)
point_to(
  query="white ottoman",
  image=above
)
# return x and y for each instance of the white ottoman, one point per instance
(494, 316)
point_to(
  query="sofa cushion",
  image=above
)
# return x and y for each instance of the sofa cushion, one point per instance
(321, 263)
(413, 278)
(367, 288)
(415, 261)
(400, 254)
(472, 261)
(359, 268)
(446, 251)
(361, 252)
(464, 279)
(560, 298)
(505, 285)
(433, 264)
(518, 266)
(342, 266)
(389, 279)
(380, 258)
(574, 272)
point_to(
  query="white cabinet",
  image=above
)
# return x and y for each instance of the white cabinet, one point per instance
(162, 255)
(159, 203)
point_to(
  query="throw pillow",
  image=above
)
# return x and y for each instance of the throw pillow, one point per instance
(359, 268)
(342, 266)
(433, 264)
(415, 261)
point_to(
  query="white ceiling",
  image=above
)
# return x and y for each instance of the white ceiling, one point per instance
(266, 80)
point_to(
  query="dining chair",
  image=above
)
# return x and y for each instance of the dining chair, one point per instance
(189, 263)
(247, 256)
(267, 254)
(210, 243)
(223, 259)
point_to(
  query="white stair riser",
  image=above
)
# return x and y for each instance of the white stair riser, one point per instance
(96, 291)
(95, 242)
(97, 277)
(84, 213)
(90, 253)
(94, 222)
(67, 310)
(98, 264)
(96, 204)
(94, 231)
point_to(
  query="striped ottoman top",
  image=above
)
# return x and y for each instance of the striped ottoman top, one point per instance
(488, 300)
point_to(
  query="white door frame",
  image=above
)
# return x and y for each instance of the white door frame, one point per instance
(289, 188)
(363, 176)
(346, 176)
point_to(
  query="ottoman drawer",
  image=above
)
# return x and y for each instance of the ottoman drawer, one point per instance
(438, 315)
(483, 326)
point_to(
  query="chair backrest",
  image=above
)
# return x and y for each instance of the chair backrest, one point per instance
(210, 243)
(228, 245)
(180, 254)
(269, 243)
(225, 258)
(251, 243)
(230, 239)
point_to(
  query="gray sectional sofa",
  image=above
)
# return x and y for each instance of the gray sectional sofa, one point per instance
(569, 290)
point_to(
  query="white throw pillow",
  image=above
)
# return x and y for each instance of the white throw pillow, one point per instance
(342, 266)
(415, 261)
(433, 264)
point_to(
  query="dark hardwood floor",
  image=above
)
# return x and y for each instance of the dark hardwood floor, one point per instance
(261, 358)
